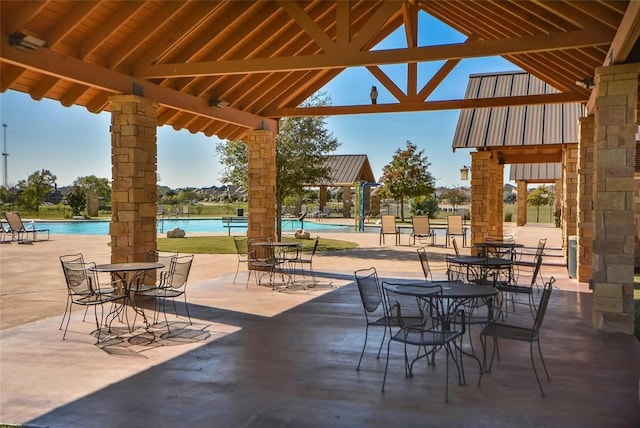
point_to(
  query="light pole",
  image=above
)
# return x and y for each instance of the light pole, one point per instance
(5, 155)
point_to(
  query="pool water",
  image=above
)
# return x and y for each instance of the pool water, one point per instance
(101, 227)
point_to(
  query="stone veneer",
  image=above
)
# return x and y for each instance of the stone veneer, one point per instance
(487, 177)
(614, 205)
(134, 178)
(261, 148)
(521, 210)
(569, 213)
(585, 198)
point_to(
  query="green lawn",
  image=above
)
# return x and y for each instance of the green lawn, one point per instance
(225, 245)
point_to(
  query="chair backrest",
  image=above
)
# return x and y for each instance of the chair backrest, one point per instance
(536, 270)
(544, 302)
(326, 210)
(454, 225)
(76, 274)
(166, 258)
(455, 246)
(242, 246)
(315, 246)
(180, 272)
(424, 262)
(542, 242)
(14, 220)
(369, 288)
(421, 225)
(388, 224)
(185, 209)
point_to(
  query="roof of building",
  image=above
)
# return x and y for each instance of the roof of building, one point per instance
(536, 172)
(347, 169)
(543, 124)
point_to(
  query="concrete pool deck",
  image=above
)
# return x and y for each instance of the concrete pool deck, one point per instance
(248, 372)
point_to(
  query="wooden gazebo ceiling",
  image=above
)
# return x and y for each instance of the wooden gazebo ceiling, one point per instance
(264, 58)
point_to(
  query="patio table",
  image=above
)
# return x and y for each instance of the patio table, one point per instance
(129, 275)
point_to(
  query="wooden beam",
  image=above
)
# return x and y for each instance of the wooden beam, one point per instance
(427, 106)
(622, 44)
(307, 23)
(469, 49)
(67, 68)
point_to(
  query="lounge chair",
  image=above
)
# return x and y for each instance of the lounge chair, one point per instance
(422, 229)
(388, 227)
(19, 231)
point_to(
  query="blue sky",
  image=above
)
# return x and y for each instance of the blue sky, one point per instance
(71, 142)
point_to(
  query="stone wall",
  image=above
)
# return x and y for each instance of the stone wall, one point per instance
(262, 184)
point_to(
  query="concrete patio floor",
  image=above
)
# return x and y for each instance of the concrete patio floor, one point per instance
(274, 359)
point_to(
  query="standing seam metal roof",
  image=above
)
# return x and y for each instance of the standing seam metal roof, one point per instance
(516, 125)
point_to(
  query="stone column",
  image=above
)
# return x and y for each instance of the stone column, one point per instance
(346, 201)
(323, 196)
(521, 208)
(585, 198)
(486, 196)
(614, 206)
(133, 188)
(570, 192)
(261, 149)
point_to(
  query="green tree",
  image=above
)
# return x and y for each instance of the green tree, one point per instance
(94, 186)
(234, 158)
(407, 176)
(455, 197)
(302, 146)
(34, 190)
(77, 200)
(538, 197)
(425, 206)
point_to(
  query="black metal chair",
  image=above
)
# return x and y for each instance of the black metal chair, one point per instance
(434, 333)
(371, 295)
(424, 262)
(172, 284)
(531, 334)
(83, 289)
(513, 290)
(242, 251)
(301, 260)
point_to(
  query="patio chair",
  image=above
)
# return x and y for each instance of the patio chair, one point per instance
(242, 251)
(456, 227)
(19, 231)
(371, 296)
(263, 261)
(83, 289)
(530, 334)
(424, 262)
(388, 227)
(422, 229)
(302, 261)
(513, 290)
(173, 284)
(158, 277)
(436, 332)
(526, 259)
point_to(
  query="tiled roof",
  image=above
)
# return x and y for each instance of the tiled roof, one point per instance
(516, 125)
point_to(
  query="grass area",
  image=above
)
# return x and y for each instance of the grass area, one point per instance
(225, 245)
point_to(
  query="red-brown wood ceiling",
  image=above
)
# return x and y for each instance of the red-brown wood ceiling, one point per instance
(265, 57)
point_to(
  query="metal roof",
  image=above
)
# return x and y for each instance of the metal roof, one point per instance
(347, 169)
(516, 125)
(536, 172)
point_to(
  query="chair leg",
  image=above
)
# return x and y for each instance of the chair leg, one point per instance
(386, 366)
(236, 275)
(533, 364)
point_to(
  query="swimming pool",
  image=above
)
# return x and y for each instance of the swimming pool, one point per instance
(101, 227)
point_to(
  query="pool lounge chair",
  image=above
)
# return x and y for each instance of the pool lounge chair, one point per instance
(19, 231)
